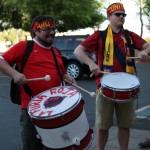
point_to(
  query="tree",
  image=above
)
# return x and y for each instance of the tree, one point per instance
(13, 35)
(146, 10)
(141, 13)
(9, 16)
(70, 14)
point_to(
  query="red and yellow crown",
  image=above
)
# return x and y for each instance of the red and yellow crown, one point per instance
(115, 7)
(45, 23)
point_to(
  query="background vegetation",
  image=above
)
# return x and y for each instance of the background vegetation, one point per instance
(16, 15)
(70, 14)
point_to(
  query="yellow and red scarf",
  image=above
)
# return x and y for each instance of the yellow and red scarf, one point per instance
(109, 53)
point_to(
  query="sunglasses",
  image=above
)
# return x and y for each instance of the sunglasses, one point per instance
(48, 30)
(120, 14)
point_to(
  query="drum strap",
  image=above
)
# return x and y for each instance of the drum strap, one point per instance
(132, 52)
(28, 51)
(14, 87)
(57, 66)
(102, 34)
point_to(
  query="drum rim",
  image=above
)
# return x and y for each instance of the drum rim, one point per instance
(56, 115)
(104, 85)
(113, 89)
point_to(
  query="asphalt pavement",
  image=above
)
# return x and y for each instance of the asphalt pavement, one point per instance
(136, 136)
(10, 138)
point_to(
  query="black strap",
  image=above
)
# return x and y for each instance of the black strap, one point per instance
(103, 34)
(130, 46)
(57, 66)
(28, 50)
(128, 42)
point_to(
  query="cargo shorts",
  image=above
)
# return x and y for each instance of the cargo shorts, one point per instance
(106, 109)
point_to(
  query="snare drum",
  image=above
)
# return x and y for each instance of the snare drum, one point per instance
(120, 86)
(60, 119)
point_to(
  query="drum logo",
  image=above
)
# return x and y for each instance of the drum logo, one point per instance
(53, 101)
(48, 102)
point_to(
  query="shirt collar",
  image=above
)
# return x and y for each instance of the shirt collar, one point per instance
(41, 44)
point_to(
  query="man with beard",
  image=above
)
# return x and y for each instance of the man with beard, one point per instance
(112, 47)
(41, 62)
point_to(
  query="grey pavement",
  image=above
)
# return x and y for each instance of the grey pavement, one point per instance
(136, 136)
(10, 129)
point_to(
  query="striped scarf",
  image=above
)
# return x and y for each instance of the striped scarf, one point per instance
(109, 54)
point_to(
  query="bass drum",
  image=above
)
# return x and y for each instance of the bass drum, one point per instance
(59, 117)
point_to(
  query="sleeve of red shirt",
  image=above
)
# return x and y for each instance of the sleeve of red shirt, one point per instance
(15, 53)
(91, 43)
(138, 42)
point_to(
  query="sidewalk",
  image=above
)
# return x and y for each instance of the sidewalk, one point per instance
(136, 136)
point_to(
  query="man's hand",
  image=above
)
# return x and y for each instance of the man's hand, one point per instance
(19, 78)
(94, 68)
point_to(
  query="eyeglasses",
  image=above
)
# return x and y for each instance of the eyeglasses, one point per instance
(49, 29)
(120, 14)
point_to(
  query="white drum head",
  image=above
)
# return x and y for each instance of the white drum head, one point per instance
(54, 102)
(120, 80)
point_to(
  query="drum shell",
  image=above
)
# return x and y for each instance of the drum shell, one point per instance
(70, 134)
(123, 93)
(84, 143)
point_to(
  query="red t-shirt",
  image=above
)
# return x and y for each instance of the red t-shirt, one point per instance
(40, 63)
(94, 43)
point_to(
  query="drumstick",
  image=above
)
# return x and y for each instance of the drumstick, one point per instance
(46, 78)
(137, 58)
(104, 72)
(92, 94)
(132, 57)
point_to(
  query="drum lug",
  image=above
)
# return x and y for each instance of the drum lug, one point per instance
(114, 94)
(130, 94)
(76, 141)
(62, 118)
(38, 137)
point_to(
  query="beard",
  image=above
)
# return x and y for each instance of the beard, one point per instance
(45, 42)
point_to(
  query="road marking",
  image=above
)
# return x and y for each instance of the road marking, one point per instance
(143, 108)
(143, 113)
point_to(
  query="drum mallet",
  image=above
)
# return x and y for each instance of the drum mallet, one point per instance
(92, 94)
(46, 78)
